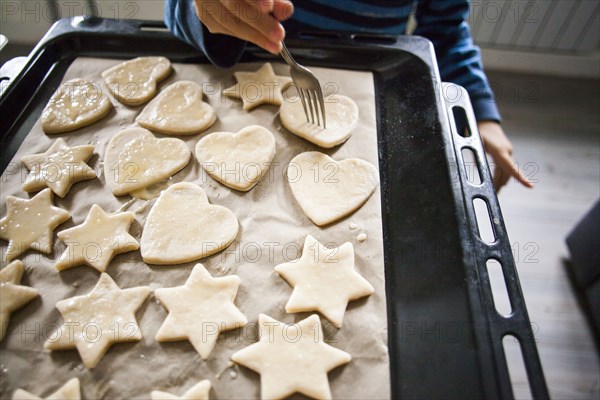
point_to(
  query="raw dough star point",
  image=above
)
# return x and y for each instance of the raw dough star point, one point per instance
(199, 391)
(58, 168)
(69, 391)
(200, 310)
(93, 322)
(29, 224)
(95, 242)
(12, 295)
(291, 358)
(324, 280)
(259, 87)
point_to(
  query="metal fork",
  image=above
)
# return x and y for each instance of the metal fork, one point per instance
(309, 89)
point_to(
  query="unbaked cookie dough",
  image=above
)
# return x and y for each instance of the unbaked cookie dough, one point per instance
(292, 358)
(97, 240)
(178, 110)
(324, 280)
(199, 391)
(58, 168)
(200, 310)
(328, 190)
(77, 103)
(136, 159)
(237, 160)
(341, 114)
(95, 321)
(134, 82)
(29, 223)
(183, 226)
(259, 87)
(12, 295)
(69, 391)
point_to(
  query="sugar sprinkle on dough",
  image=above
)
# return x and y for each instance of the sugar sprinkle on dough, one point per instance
(200, 391)
(97, 240)
(12, 295)
(361, 237)
(69, 391)
(324, 280)
(29, 223)
(109, 309)
(259, 87)
(200, 309)
(292, 358)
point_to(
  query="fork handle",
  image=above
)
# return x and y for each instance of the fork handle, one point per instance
(286, 55)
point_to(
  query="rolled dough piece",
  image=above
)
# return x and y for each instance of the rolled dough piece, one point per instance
(200, 310)
(291, 358)
(341, 114)
(133, 82)
(328, 190)
(183, 226)
(12, 295)
(77, 103)
(97, 240)
(259, 87)
(29, 223)
(324, 280)
(178, 110)
(58, 168)
(238, 160)
(199, 391)
(135, 159)
(95, 321)
(69, 391)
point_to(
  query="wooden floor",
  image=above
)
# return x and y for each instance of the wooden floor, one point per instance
(555, 127)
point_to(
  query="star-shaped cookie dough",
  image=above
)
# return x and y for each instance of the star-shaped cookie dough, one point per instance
(95, 242)
(324, 280)
(199, 391)
(258, 87)
(291, 358)
(29, 224)
(93, 322)
(200, 310)
(58, 168)
(12, 295)
(69, 391)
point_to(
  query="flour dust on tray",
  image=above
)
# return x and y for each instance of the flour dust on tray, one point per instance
(13, 295)
(259, 87)
(69, 391)
(200, 391)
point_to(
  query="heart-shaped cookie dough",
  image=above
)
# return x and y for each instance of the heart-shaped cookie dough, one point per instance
(135, 159)
(134, 82)
(328, 190)
(341, 114)
(77, 103)
(183, 226)
(238, 160)
(178, 110)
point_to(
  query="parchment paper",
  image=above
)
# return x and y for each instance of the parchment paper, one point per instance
(272, 231)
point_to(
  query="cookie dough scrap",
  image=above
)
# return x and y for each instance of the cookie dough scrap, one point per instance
(97, 240)
(328, 190)
(259, 87)
(95, 321)
(178, 110)
(58, 168)
(324, 280)
(286, 365)
(136, 159)
(29, 223)
(77, 103)
(341, 113)
(237, 160)
(183, 226)
(133, 82)
(199, 391)
(12, 295)
(200, 310)
(69, 391)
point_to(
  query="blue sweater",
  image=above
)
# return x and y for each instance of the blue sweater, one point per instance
(441, 21)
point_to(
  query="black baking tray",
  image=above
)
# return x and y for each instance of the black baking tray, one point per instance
(444, 333)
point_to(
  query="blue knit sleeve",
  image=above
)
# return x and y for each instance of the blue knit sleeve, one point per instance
(182, 20)
(459, 59)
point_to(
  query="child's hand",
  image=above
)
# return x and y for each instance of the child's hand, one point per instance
(257, 21)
